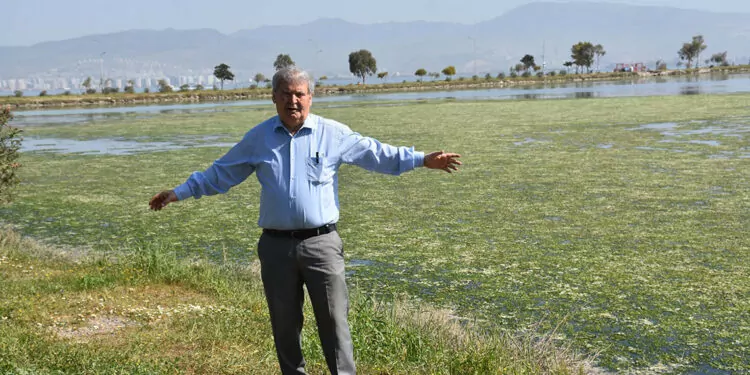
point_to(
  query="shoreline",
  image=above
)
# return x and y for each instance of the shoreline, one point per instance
(207, 96)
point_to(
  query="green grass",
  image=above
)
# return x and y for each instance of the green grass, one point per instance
(147, 312)
(562, 213)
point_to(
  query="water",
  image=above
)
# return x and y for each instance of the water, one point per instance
(706, 84)
(106, 146)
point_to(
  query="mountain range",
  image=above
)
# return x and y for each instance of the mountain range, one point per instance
(546, 30)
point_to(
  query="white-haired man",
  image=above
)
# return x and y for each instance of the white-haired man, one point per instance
(296, 157)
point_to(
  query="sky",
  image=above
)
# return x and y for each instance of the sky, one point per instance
(26, 22)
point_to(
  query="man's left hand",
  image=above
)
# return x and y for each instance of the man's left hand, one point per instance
(442, 160)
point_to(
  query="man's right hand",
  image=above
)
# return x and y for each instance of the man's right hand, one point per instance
(162, 199)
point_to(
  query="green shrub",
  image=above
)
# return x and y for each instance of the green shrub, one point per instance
(501, 75)
(526, 74)
(43, 93)
(552, 73)
(18, 93)
(563, 72)
(513, 75)
(10, 143)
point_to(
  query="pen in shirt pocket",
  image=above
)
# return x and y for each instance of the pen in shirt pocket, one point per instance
(317, 157)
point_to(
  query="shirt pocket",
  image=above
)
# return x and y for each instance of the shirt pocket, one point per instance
(320, 170)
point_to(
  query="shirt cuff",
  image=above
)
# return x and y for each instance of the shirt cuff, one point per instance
(418, 159)
(183, 191)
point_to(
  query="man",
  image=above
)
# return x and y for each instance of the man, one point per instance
(296, 156)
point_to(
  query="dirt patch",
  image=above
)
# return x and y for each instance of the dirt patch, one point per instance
(102, 325)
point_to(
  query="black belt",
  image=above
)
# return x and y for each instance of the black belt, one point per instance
(301, 234)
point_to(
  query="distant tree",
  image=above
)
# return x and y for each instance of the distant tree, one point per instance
(449, 72)
(599, 52)
(10, 144)
(87, 84)
(362, 64)
(323, 78)
(528, 62)
(164, 86)
(699, 45)
(692, 51)
(43, 93)
(18, 93)
(67, 93)
(488, 76)
(382, 75)
(283, 61)
(185, 87)
(147, 90)
(519, 68)
(582, 54)
(720, 59)
(130, 87)
(661, 65)
(222, 73)
(420, 73)
(433, 75)
(537, 68)
(501, 75)
(199, 87)
(259, 78)
(567, 65)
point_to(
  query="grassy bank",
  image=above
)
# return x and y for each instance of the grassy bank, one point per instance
(326, 90)
(624, 218)
(146, 312)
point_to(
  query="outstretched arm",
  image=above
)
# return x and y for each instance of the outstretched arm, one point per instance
(446, 161)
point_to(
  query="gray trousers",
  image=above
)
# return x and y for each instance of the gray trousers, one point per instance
(317, 262)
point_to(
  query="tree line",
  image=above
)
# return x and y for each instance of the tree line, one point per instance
(585, 56)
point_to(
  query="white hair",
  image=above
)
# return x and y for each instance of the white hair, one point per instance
(293, 75)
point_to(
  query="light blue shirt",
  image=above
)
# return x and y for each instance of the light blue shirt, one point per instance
(298, 174)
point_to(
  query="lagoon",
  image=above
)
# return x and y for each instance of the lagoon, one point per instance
(685, 85)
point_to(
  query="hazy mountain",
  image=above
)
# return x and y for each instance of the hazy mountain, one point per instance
(628, 33)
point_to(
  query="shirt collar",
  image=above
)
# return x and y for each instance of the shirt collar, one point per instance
(311, 122)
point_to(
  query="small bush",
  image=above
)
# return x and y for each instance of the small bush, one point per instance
(540, 74)
(147, 90)
(513, 75)
(501, 75)
(43, 93)
(475, 77)
(91, 91)
(129, 89)
(563, 72)
(526, 74)
(67, 93)
(110, 90)
(18, 93)
(488, 76)
(10, 144)
(460, 79)
(552, 73)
